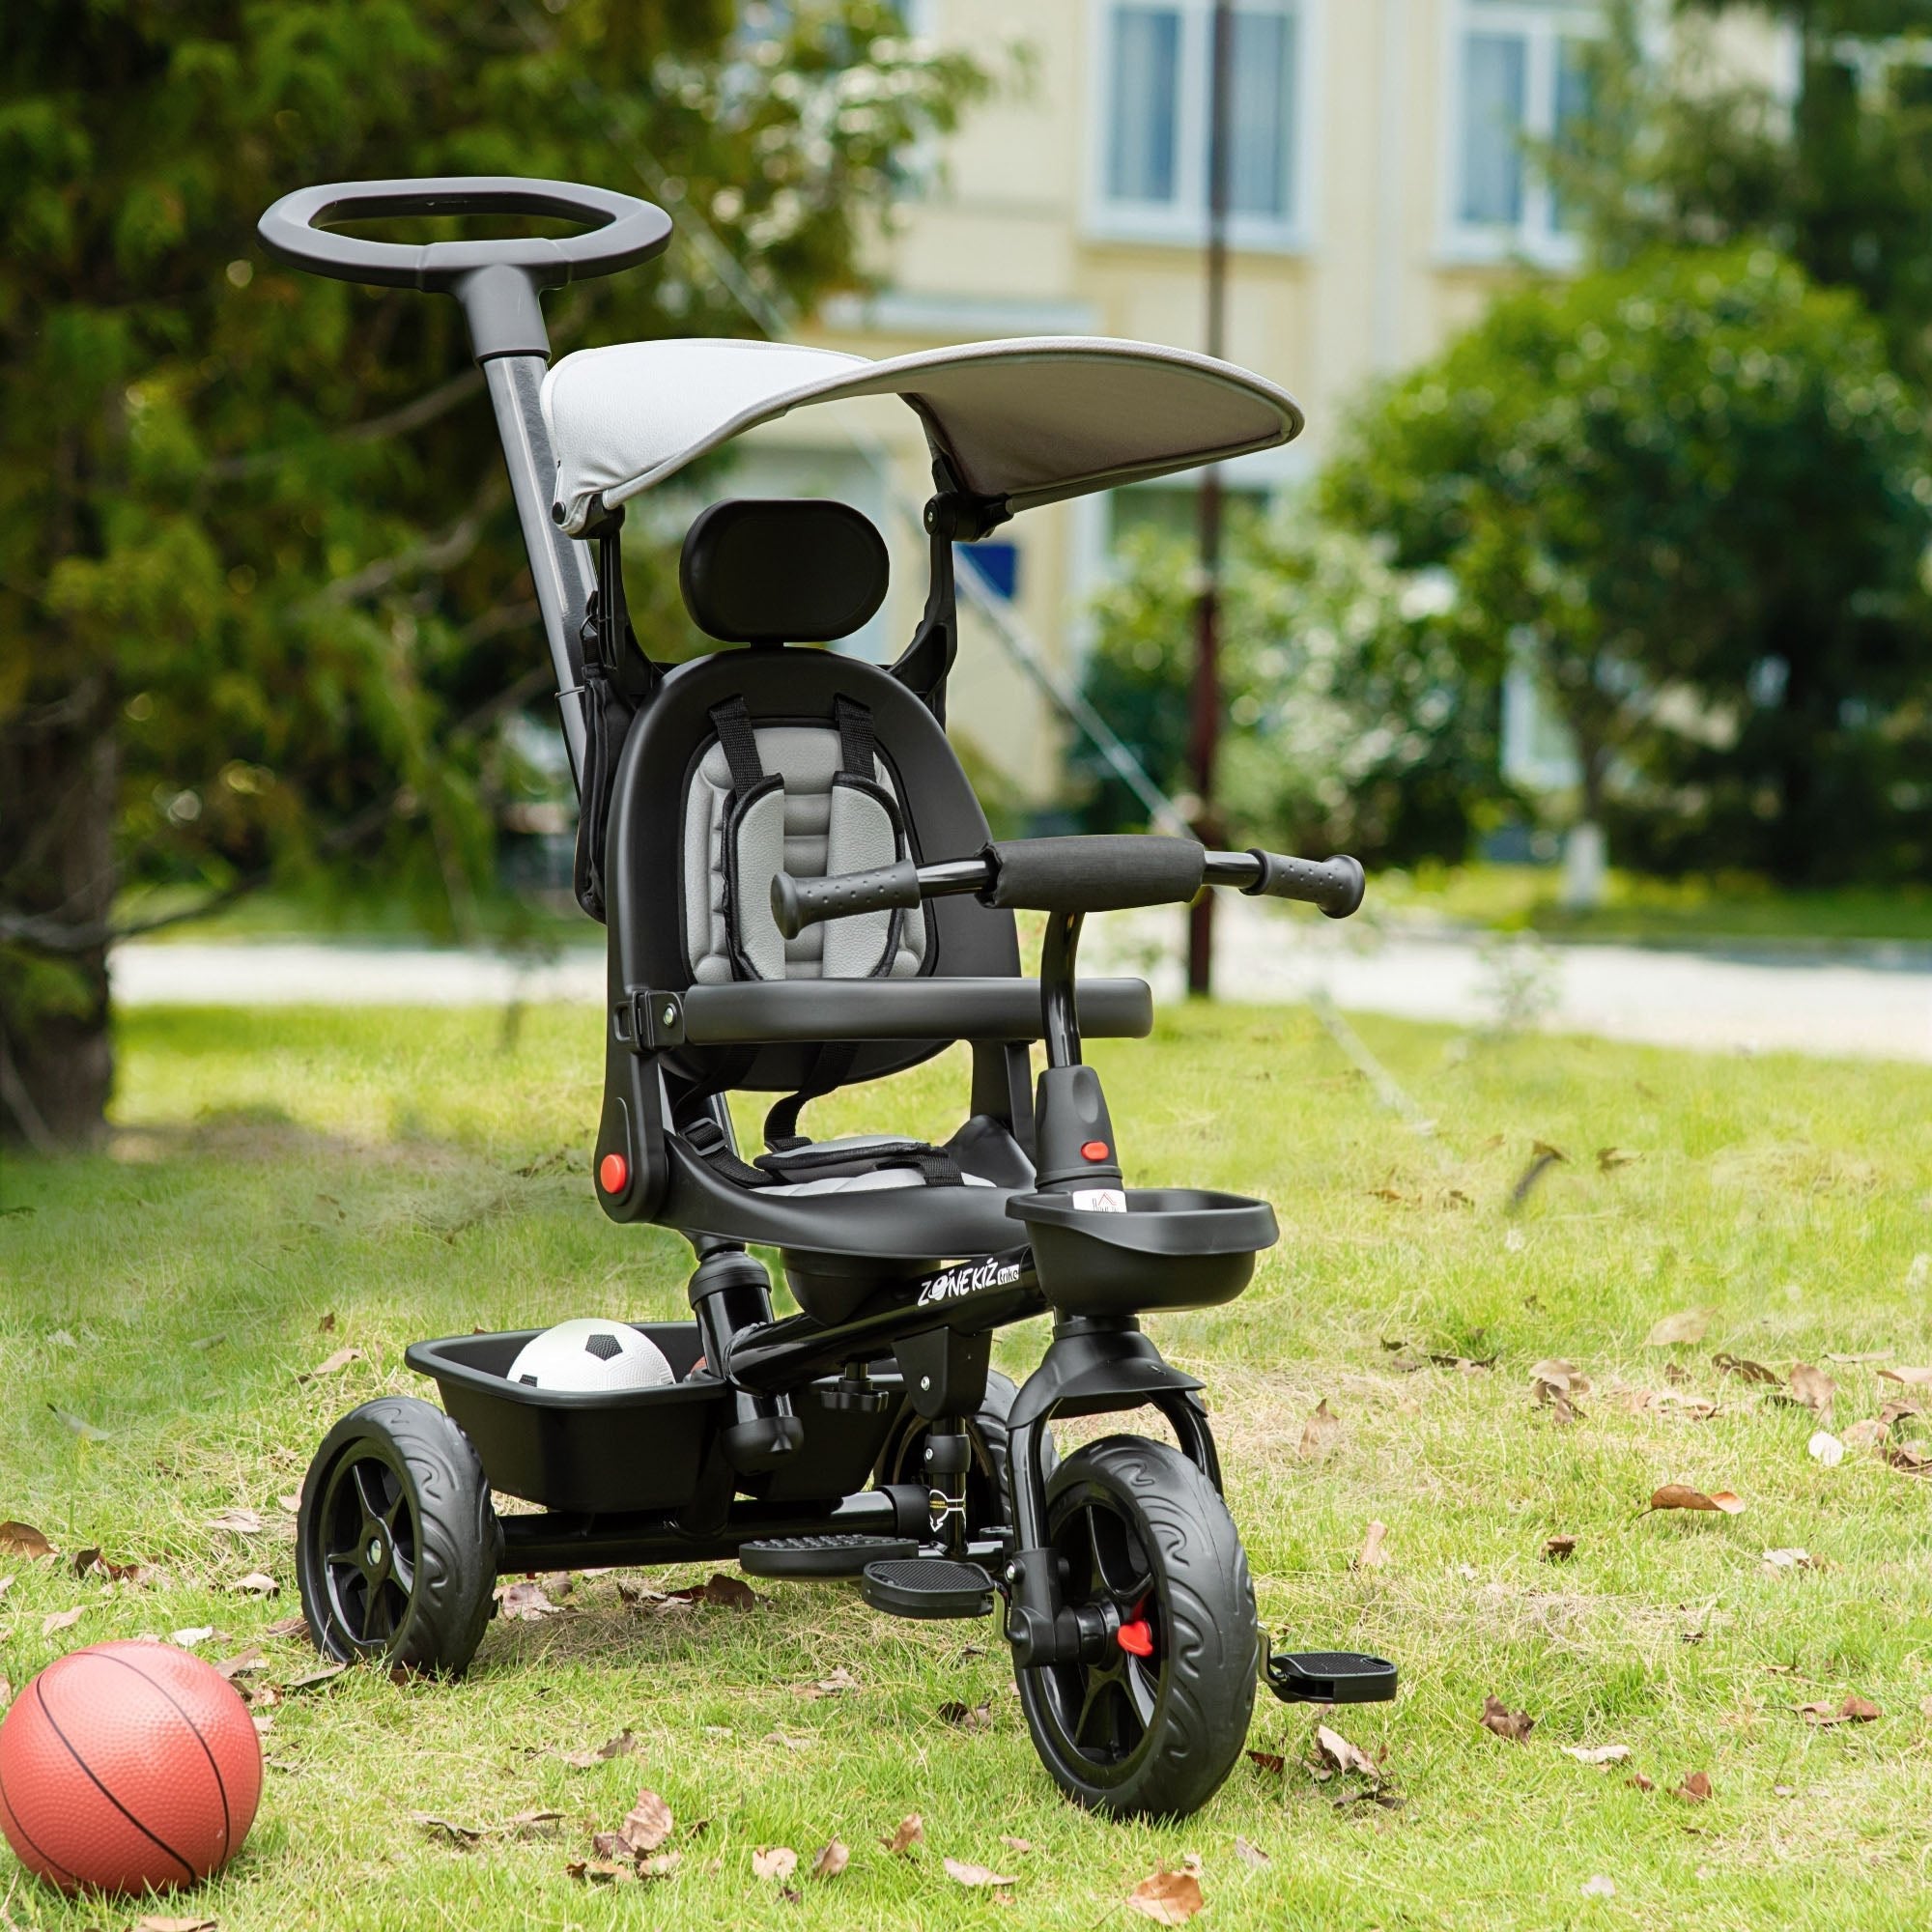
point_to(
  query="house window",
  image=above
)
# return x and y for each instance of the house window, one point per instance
(1154, 75)
(1521, 71)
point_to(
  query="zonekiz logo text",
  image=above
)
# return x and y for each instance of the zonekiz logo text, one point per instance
(967, 1278)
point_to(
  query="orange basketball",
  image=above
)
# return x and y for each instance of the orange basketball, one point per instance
(129, 1767)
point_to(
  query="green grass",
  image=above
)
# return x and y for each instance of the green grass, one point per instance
(1525, 899)
(417, 1173)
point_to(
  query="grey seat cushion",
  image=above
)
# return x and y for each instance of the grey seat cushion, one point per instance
(808, 828)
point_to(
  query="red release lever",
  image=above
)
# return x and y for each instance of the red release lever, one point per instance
(1136, 1638)
(1095, 1151)
(613, 1173)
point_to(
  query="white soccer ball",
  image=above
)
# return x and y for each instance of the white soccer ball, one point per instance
(586, 1354)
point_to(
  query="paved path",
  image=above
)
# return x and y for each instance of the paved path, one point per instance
(1702, 1000)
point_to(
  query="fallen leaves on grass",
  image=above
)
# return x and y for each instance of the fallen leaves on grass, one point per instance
(1558, 1549)
(776, 1863)
(1565, 1377)
(1826, 1448)
(1597, 1885)
(1682, 1497)
(91, 1563)
(1746, 1369)
(60, 1620)
(1910, 1378)
(1339, 1754)
(725, 1592)
(832, 1859)
(23, 1539)
(1909, 1456)
(1319, 1433)
(527, 1604)
(316, 1678)
(1497, 1716)
(1813, 1389)
(296, 1626)
(1789, 1559)
(151, 1923)
(836, 1685)
(1251, 1855)
(1695, 1788)
(1370, 1555)
(1610, 1159)
(1853, 1711)
(241, 1664)
(623, 1744)
(257, 1583)
(334, 1366)
(194, 1634)
(1597, 1753)
(1168, 1897)
(967, 1718)
(908, 1833)
(1555, 1397)
(1020, 1846)
(1542, 1159)
(1271, 1762)
(1687, 1324)
(962, 1872)
(647, 1826)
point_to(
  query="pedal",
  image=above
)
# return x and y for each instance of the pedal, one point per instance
(820, 1556)
(928, 1588)
(1330, 1677)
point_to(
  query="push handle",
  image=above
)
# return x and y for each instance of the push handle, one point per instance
(1335, 885)
(797, 903)
(496, 281)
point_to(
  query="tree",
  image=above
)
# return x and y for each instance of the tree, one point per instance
(1693, 491)
(262, 603)
(1361, 717)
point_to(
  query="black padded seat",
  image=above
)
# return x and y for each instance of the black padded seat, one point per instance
(759, 1012)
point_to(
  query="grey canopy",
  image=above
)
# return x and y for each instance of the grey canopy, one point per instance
(1031, 420)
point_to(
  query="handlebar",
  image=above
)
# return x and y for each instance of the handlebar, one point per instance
(497, 281)
(1096, 874)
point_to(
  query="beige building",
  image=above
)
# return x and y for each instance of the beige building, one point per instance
(1378, 187)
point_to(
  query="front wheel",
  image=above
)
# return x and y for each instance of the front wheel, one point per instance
(396, 1544)
(1151, 1723)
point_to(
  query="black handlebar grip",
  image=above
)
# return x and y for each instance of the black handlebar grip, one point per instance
(1335, 885)
(797, 903)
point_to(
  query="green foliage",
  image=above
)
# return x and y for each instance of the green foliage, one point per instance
(255, 538)
(1361, 717)
(1695, 494)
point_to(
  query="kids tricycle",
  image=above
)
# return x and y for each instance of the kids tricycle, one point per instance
(801, 893)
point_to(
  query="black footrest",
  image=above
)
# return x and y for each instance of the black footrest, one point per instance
(1330, 1677)
(928, 1586)
(820, 1555)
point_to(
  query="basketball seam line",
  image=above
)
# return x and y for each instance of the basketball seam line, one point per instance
(221, 1782)
(13, 1813)
(40, 1698)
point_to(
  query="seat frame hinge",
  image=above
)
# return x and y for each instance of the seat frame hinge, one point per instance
(647, 1021)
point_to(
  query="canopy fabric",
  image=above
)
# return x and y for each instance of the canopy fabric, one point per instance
(1032, 419)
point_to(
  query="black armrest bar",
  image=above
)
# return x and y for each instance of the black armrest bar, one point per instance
(783, 1012)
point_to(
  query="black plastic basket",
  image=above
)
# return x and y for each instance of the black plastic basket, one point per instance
(634, 1450)
(1172, 1247)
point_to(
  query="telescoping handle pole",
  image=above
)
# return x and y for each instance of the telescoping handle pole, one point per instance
(498, 285)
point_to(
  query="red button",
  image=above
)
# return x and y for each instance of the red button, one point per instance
(1095, 1151)
(613, 1173)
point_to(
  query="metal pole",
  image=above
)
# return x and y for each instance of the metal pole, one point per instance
(1205, 728)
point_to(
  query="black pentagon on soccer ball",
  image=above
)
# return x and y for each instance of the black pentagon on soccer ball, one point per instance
(603, 1347)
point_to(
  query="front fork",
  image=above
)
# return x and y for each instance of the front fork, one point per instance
(1092, 1367)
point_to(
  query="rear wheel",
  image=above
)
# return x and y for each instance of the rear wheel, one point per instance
(1152, 1718)
(396, 1544)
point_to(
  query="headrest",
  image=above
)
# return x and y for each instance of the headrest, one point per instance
(799, 572)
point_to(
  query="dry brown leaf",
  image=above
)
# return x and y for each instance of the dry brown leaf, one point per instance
(647, 1826)
(241, 1662)
(60, 1620)
(1789, 1559)
(1168, 1898)
(1641, 1782)
(1813, 1389)
(832, 1859)
(23, 1539)
(1563, 1375)
(257, 1583)
(1497, 1716)
(154, 1924)
(1681, 1497)
(334, 1366)
(1319, 1433)
(327, 1325)
(296, 1626)
(660, 1865)
(1020, 1846)
(1853, 1711)
(1558, 1549)
(1563, 1412)
(836, 1685)
(1251, 1855)
(1687, 1324)
(623, 1744)
(237, 1521)
(1597, 1753)
(1746, 1369)
(1610, 1159)
(527, 1604)
(1542, 1159)
(596, 1871)
(1865, 1435)
(1272, 1762)
(1695, 1789)
(973, 1717)
(1342, 1755)
(1370, 1555)
(910, 1831)
(1911, 1456)
(194, 1634)
(960, 1872)
(774, 1862)
(1676, 1373)
(1911, 1378)
(461, 1834)
(315, 1680)
(789, 1744)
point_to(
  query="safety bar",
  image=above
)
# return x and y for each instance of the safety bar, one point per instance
(1072, 876)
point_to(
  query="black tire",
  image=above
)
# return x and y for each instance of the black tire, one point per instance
(1137, 1524)
(396, 1544)
(987, 1499)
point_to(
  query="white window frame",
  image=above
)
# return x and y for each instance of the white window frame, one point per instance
(1543, 25)
(1183, 222)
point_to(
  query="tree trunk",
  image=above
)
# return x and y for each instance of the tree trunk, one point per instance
(1585, 852)
(58, 771)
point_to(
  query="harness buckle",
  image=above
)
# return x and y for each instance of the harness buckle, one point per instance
(647, 1021)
